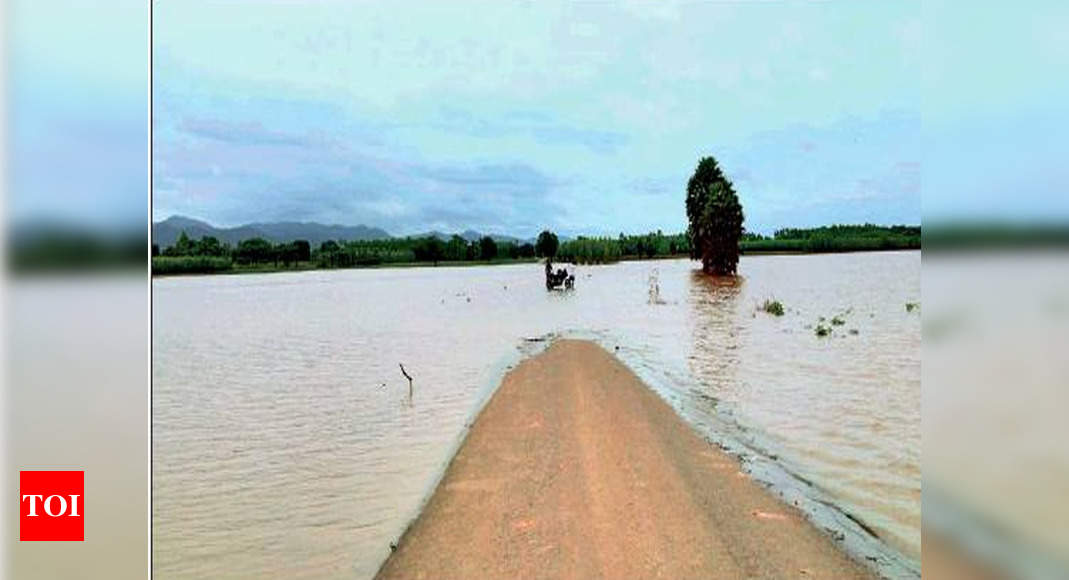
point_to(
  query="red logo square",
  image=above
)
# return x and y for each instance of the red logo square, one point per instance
(51, 506)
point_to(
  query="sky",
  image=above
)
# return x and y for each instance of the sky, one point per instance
(77, 110)
(511, 117)
(588, 118)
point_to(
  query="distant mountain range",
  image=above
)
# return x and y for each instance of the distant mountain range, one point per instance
(166, 233)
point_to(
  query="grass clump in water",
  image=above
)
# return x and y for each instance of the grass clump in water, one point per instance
(773, 307)
(911, 306)
(837, 321)
(822, 330)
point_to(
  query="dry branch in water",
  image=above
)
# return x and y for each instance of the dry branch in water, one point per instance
(403, 372)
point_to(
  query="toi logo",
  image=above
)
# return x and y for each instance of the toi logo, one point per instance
(51, 506)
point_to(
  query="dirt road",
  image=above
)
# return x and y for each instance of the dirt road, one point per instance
(575, 469)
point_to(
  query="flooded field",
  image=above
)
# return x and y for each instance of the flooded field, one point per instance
(285, 442)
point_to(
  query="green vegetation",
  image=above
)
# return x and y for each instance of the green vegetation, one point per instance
(590, 251)
(208, 255)
(911, 306)
(605, 250)
(259, 255)
(488, 248)
(825, 327)
(70, 249)
(835, 238)
(190, 264)
(773, 307)
(547, 244)
(715, 217)
(995, 235)
(838, 238)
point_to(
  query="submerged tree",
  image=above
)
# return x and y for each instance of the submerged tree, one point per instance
(715, 217)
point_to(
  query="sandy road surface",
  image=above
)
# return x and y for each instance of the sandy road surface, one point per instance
(575, 469)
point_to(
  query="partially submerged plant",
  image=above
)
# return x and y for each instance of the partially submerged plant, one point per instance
(773, 307)
(911, 306)
(822, 330)
(654, 289)
(837, 321)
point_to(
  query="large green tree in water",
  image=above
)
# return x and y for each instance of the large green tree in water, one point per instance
(715, 216)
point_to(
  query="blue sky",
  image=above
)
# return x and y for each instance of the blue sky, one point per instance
(511, 117)
(587, 118)
(582, 117)
(77, 108)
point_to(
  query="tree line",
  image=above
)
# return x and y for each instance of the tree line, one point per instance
(208, 254)
(835, 238)
(603, 250)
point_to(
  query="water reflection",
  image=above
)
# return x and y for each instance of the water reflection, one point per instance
(714, 306)
(840, 410)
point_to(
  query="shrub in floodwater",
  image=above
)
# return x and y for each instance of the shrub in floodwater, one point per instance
(837, 321)
(773, 307)
(822, 330)
(911, 306)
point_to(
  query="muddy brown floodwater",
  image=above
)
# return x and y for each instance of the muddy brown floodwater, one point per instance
(285, 444)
